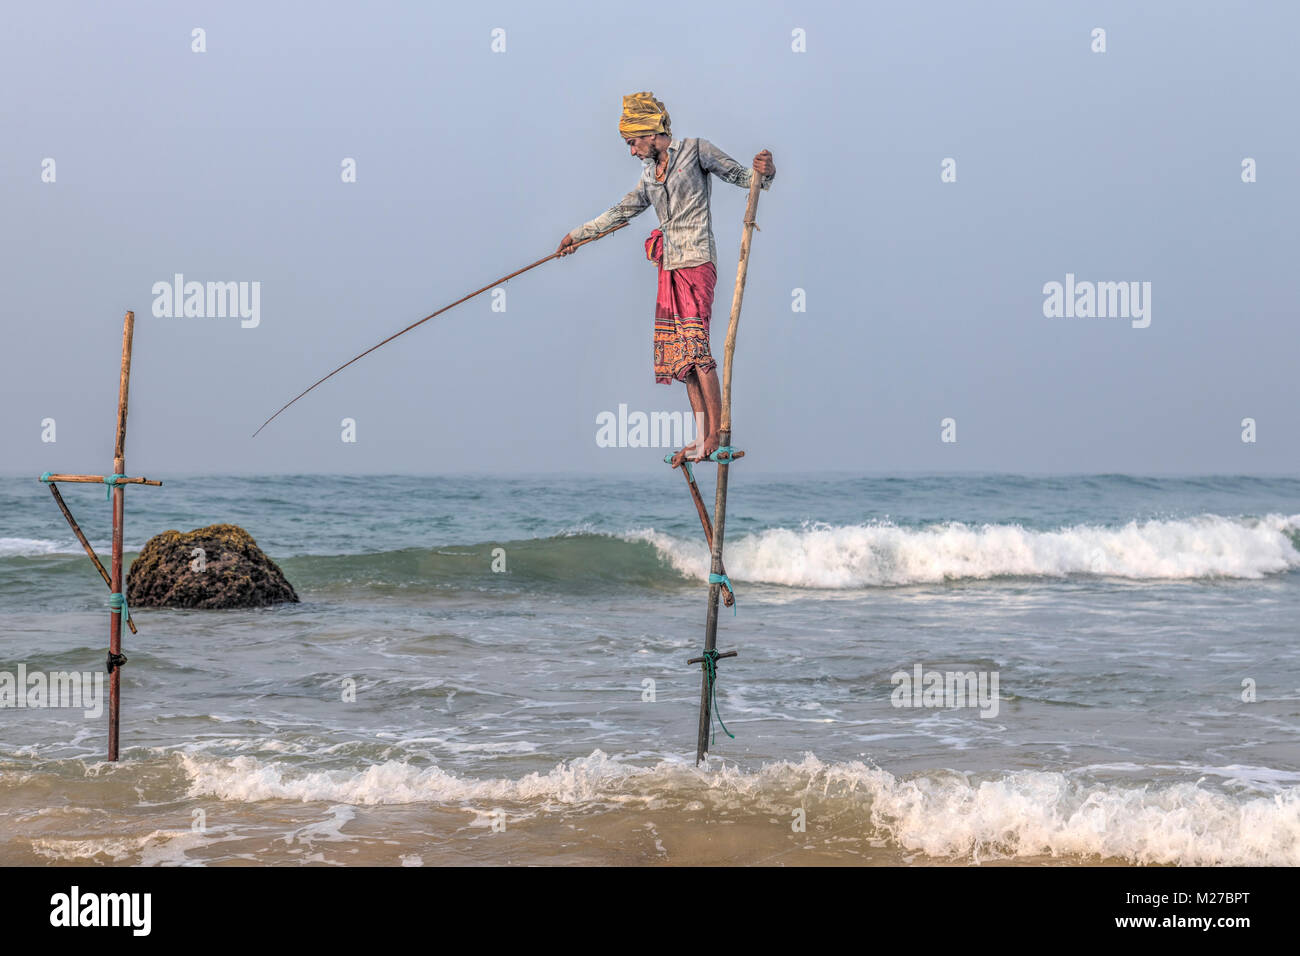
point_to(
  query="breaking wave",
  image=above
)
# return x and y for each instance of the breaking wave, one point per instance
(873, 555)
(941, 814)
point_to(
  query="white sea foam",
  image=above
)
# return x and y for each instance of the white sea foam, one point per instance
(157, 848)
(245, 778)
(33, 547)
(327, 831)
(941, 814)
(872, 555)
(30, 547)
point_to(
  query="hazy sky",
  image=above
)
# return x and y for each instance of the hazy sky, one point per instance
(924, 299)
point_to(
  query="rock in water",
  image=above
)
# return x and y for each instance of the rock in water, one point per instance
(219, 566)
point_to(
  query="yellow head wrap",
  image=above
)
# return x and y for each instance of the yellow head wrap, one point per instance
(642, 114)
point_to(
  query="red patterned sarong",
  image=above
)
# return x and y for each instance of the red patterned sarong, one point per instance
(682, 311)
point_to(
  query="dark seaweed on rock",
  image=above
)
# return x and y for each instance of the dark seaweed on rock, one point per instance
(230, 572)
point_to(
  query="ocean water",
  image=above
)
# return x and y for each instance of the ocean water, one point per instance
(1141, 631)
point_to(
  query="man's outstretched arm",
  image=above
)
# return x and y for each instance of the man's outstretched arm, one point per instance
(715, 161)
(630, 205)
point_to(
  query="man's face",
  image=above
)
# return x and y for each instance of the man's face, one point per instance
(643, 147)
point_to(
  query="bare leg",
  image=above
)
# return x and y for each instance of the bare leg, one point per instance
(711, 391)
(700, 409)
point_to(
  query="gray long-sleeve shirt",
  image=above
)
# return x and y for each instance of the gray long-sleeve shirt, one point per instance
(681, 200)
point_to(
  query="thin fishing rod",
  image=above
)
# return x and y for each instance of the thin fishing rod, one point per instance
(490, 285)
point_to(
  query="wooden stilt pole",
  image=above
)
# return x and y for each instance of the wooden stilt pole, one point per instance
(119, 495)
(720, 502)
(114, 576)
(727, 597)
(97, 480)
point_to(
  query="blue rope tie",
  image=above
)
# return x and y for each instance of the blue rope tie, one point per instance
(668, 460)
(723, 450)
(46, 477)
(117, 605)
(711, 674)
(723, 579)
(112, 481)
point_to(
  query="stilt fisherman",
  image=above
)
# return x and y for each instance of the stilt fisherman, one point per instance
(675, 180)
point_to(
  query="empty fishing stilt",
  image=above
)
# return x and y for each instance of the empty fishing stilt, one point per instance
(724, 456)
(118, 609)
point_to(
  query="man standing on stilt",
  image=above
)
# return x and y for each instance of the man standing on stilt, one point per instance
(675, 180)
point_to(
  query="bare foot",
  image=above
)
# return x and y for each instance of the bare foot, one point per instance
(708, 445)
(684, 454)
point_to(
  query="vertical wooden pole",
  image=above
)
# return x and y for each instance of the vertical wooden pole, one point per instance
(119, 494)
(724, 438)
